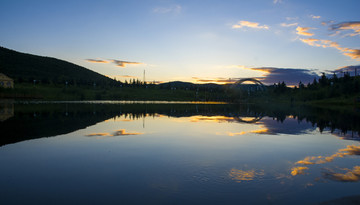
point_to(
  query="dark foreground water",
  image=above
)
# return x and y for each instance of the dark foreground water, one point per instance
(150, 153)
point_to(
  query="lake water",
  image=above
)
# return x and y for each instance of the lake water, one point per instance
(177, 153)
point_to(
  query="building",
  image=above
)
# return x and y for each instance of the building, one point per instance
(6, 82)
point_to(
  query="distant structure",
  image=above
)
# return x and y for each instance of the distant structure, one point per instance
(257, 84)
(6, 82)
(253, 80)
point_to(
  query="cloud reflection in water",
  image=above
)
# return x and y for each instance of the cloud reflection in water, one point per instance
(121, 132)
(239, 175)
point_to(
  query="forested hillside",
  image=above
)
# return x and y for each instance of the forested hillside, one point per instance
(46, 70)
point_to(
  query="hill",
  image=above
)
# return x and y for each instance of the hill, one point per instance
(188, 85)
(29, 68)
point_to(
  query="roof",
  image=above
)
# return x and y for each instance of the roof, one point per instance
(4, 77)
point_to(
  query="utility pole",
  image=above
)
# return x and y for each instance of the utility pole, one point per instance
(144, 77)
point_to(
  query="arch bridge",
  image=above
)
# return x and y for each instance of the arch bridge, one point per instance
(258, 84)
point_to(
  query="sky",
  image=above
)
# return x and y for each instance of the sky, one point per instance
(197, 41)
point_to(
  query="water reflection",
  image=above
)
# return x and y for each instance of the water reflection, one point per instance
(240, 175)
(298, 170)
(121, 132)
(186, 153)
(22, 121)
(6, 109)
(350, 175)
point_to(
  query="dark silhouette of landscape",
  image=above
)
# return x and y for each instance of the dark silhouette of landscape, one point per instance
(37, 120)
(37, 77)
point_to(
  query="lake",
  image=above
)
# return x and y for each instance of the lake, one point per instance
(114, 152)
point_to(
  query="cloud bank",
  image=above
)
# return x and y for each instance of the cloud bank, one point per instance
(291, 76)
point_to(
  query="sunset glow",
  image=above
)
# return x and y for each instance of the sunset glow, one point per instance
(200, 42)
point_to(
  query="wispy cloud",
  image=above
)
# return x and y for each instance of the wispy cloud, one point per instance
(119, 63)
(176, 9)
(315, 17)
(242, 24)
(352, 53)
(127, 76)
(325, 23)
(123, 64)
(97, 61)
(304, 31)
(353, 26)
(288, 24)
(277, 1)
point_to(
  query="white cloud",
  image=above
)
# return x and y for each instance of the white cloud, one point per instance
(315, 17)
(288, 24)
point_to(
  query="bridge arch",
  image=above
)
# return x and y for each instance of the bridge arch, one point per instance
(257, 82)
(259, 85)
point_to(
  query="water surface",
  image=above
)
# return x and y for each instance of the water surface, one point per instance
(170, 153)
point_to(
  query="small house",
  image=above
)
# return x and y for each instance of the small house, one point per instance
(6, 82)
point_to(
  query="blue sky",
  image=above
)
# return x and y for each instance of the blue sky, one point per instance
(197, 40)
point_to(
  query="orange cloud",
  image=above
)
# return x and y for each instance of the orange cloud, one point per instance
(249, 24)
(123, 64)
(98, 134)
(119, 63)
(97, 61)
(352, 53)
(303, 31)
